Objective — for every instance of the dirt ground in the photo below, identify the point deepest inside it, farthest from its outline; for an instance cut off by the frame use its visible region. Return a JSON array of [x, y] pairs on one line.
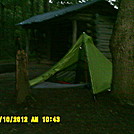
[[78, 112]]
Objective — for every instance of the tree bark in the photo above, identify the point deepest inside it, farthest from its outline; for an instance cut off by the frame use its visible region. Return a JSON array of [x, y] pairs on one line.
[[46, 5], [2, 7], [37, 7], [122, 48], [2, 27], [14, 21]]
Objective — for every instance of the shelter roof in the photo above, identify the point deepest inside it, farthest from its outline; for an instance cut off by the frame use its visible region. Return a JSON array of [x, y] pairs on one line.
[[58, 13]]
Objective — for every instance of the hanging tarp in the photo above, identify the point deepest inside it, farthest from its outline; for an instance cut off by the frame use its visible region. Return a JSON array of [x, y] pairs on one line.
[[85, 60]]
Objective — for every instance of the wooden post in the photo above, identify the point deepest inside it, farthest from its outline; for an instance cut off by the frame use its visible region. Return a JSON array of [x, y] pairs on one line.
[[27, 41], [22, 81], [74, 36]]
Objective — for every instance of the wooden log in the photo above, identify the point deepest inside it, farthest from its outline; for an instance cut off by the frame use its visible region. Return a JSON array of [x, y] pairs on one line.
[[103, 18], [103, 46], [104, 23], [103, 36], [108, 32], [22, 81], [102, 40], [85, 15], [98, 25], [82, 18], [105, 33], [104, 49], [103, 28]]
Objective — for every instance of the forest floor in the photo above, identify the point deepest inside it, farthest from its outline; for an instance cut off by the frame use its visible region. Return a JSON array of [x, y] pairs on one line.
[[78, 112]]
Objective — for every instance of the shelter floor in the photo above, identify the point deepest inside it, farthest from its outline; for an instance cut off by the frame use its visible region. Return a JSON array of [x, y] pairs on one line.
[[78, 111]]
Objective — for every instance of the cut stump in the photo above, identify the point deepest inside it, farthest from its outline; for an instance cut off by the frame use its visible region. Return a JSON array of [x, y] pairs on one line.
[[22, 81]]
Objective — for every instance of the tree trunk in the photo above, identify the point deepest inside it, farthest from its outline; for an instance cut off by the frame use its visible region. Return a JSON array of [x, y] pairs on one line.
[[37, 7], [74, 36], [32, 7], [24, 10], [46, 5], [2, 27], [14, 21], [2, 19], [122, 48]]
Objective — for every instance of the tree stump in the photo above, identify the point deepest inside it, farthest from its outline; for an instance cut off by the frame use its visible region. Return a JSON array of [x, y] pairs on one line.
[[22, 81]]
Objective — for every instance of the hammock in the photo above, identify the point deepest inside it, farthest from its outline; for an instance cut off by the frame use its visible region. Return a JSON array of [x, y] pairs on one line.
[[58, 85]]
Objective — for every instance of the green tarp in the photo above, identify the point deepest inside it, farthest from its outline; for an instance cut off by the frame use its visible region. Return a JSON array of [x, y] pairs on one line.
[[99, 67]]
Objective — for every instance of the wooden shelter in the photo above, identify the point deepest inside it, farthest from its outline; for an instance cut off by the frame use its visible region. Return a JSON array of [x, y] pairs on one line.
[[57, 31]]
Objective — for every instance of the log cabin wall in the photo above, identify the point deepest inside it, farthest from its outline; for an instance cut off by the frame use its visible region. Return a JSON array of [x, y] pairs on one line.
[[98, 26], [85, 23], [62, 32], [103, 31]]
